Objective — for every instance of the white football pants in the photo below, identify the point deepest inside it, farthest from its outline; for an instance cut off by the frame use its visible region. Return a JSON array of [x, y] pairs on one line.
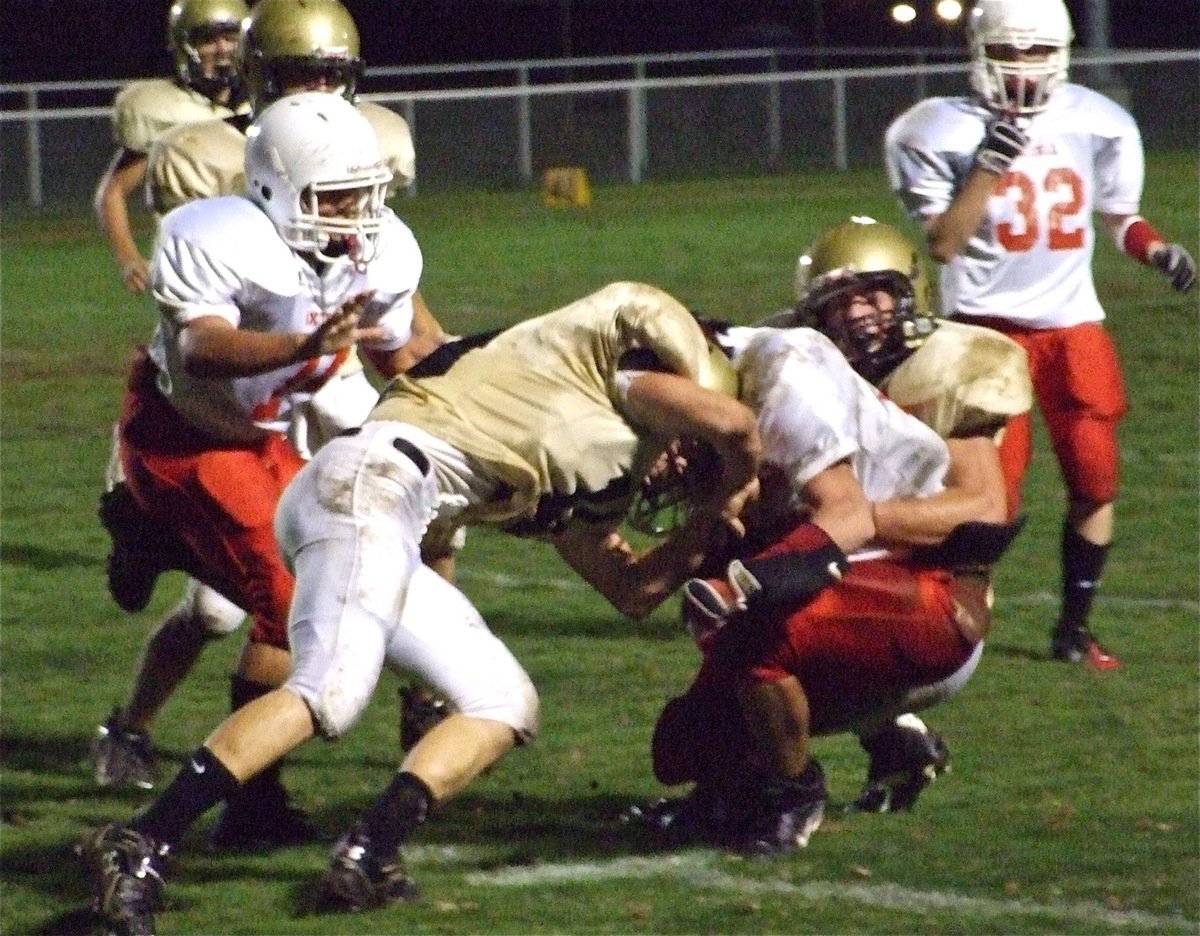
[[350, 525]]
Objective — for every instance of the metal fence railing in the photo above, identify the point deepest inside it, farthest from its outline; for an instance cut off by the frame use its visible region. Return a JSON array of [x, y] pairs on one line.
[[621, 118]]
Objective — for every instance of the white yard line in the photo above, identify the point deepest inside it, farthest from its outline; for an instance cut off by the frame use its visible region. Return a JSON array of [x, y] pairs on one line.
[[697, 869]]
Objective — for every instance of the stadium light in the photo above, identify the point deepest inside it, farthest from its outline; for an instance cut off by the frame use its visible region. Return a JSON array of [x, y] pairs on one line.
[[904, 13], [949, 11]]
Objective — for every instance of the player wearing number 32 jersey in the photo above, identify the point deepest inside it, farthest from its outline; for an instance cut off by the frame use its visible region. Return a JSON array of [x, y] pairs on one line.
[[1005, 183]]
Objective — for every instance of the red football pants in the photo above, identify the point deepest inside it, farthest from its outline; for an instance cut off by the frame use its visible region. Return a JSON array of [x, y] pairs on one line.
[[217, 496], [1080, 392], [855, 648]]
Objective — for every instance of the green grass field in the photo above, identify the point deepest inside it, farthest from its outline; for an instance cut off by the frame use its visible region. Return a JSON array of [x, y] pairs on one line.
[[1072, 806]]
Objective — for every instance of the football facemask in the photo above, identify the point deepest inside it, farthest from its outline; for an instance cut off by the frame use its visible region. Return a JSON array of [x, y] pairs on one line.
[[837, 284], [1020, 51], [871, 317]]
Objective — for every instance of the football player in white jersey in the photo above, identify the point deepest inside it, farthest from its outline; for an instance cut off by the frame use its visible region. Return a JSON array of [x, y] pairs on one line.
[[285, 47], [1005, 182], [863, 594], [202, 36], [261, 297], [545, 429], [864, 285]]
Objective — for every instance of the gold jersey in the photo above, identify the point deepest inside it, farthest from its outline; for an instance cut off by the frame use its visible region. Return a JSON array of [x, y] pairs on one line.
[[964, 380], [198, 160], [539, 408], [145, 109]]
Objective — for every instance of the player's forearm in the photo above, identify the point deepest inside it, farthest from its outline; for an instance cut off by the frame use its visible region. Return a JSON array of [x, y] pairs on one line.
[[974, 493], [633, 582], [948, 233], [227, 353], [114, 222]]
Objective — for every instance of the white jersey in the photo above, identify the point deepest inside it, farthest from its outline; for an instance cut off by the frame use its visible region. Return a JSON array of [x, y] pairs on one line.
[[814, 411], [223, 257], [1030, 261]]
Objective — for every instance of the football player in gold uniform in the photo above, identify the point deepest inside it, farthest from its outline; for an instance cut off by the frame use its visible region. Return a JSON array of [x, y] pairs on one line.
[[202, 36]]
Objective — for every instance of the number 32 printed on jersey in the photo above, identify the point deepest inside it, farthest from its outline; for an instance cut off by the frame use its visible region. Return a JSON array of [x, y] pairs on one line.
[[1062, 190]]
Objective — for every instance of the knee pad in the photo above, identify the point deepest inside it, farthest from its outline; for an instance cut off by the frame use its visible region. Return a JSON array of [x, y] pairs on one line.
[[211, 611]]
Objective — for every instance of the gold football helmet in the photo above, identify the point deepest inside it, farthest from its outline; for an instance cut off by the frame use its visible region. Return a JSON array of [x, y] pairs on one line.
[[191, 23], [856, 259], [299, 45]]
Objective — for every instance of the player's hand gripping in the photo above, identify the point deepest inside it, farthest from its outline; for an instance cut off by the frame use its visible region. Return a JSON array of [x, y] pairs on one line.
[[1177, 265], [340, 330], [1002, 142]]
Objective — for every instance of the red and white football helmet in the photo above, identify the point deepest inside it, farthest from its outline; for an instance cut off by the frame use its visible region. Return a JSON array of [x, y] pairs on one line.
[[1000, 32]]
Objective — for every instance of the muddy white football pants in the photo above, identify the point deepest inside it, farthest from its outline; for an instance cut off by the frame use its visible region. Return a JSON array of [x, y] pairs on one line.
[[350, 525]]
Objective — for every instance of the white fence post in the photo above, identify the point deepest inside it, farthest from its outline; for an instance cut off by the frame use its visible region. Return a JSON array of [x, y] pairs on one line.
[[774, 123], [33, 151], [638, 156], [839, 121], [524, 127]]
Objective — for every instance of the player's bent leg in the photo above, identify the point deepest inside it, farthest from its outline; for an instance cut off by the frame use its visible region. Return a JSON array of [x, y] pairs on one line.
[[441, 638]]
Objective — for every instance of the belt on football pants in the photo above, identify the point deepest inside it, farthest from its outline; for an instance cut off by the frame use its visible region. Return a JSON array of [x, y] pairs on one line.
[[403, 446]]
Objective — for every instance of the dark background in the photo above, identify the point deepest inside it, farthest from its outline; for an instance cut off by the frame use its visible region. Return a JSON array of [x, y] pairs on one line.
[[45, 40]]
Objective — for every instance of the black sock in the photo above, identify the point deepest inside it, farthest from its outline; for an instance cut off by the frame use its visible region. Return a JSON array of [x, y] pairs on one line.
[[1082, 563], [202, 782], [401, 809], [265, 785]]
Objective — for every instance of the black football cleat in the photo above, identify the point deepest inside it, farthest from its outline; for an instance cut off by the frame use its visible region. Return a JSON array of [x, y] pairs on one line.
[[125, 870], [359, 879], [259, 819], [120, 757], [1077, 645], [785, 815], [905, 758], [420, 710]]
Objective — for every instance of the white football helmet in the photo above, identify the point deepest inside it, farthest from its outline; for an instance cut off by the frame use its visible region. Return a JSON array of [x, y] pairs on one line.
[[307, 144], [1021, 87]]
